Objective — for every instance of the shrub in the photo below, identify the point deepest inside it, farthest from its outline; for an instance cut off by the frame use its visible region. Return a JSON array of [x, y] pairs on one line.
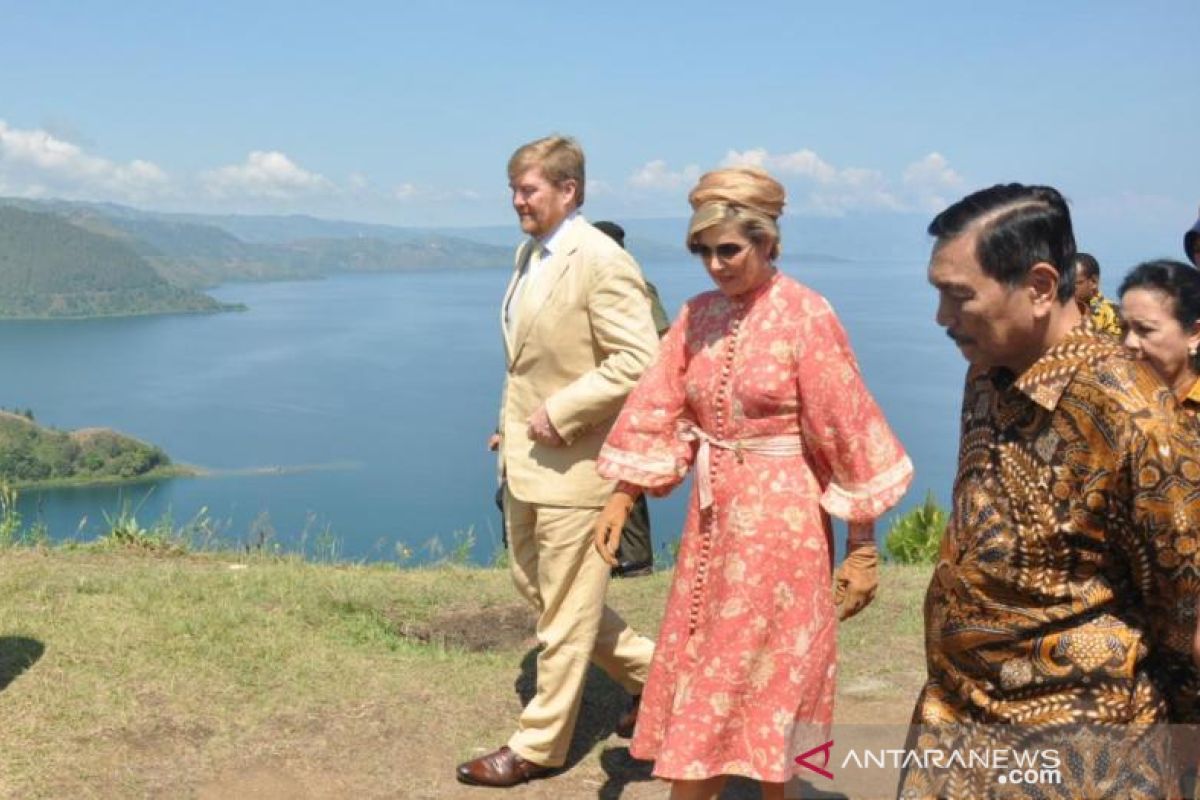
[[916, 537], [10, 518]]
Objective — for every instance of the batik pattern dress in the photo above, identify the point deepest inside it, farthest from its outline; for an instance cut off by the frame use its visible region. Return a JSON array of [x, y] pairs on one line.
[[1183, 678], [763, 395]]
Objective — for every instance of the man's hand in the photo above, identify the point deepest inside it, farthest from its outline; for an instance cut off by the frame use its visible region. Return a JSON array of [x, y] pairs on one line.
[[542, 430], [494, 442], [856, 580], [609, 524]]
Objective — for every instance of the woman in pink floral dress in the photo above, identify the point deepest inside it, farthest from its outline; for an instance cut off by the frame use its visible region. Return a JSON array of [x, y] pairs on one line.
[[756, 390]]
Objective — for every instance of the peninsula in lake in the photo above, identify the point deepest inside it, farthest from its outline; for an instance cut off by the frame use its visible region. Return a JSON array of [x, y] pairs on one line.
[[33, 454]]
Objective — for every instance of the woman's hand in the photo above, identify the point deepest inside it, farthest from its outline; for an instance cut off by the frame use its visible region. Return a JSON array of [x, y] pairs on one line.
[[609, 524], [856, 580]]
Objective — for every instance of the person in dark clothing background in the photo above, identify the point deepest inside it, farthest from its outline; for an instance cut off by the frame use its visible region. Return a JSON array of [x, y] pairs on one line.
[[1191, 243], [635, 555], [661, 320]]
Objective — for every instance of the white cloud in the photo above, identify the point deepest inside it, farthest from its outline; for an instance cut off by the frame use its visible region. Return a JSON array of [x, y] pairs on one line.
[[40, 163], [815, 186], [267, 174], [656, 176], [35, 163], [411, 193], [822, 187], [597, 188], [803, 163], [929, 180]]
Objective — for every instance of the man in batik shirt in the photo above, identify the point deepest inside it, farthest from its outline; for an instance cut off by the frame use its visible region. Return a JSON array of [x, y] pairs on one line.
[[1064, 590]]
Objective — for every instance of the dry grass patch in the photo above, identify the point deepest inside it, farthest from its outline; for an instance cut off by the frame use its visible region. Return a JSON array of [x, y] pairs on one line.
[[201, 676]]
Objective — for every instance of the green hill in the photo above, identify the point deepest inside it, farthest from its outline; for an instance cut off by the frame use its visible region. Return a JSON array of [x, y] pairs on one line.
[[32, 453], [190, 254], [52, 268], [197, 251]]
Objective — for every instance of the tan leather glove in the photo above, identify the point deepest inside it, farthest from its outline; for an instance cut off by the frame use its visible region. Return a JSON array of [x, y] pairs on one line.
[[609, 524], [856, 580]]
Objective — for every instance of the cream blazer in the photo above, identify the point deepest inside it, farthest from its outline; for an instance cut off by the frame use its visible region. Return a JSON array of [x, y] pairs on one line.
[[584, 335]]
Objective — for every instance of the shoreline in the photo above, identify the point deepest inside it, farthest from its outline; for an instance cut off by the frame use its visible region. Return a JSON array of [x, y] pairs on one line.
[[157, 474], [181, 470], [221, 309]]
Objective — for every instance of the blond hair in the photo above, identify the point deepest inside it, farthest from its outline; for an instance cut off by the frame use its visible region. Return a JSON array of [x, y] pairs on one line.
[[743, 196], [560, 158]]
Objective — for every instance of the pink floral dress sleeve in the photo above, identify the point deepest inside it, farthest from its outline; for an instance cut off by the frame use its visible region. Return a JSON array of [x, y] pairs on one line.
[[642, 448], [861, 465]]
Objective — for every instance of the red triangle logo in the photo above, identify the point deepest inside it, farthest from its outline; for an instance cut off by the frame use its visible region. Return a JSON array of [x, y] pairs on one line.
[[803, 761]]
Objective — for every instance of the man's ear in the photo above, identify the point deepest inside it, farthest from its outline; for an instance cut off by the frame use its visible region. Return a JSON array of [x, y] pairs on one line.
[[1042, 285], [573, 186]]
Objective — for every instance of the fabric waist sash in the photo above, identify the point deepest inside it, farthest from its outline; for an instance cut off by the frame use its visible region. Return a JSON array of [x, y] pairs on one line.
[[789, 444]]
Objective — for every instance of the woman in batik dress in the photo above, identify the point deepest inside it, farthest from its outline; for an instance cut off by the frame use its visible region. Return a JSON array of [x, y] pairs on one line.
[[757, 390], [1160, 309]]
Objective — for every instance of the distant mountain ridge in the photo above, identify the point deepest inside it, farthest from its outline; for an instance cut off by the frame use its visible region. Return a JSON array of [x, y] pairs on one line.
[[52, 268], [196, 251]]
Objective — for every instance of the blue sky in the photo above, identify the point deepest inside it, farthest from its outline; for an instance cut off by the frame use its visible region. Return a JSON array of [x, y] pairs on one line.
[[406, 112]]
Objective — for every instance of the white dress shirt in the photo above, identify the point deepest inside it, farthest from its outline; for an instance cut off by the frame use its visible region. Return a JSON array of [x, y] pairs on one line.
[[541, 251]]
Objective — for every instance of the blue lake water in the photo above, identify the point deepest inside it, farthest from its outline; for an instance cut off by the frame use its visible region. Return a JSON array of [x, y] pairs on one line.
[[355, 410]]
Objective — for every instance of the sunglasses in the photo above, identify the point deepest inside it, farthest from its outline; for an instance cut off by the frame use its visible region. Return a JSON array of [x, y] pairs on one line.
[[725, 252]]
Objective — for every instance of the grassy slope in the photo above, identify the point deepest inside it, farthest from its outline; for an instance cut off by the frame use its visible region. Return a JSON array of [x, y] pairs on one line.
[[140, 676]]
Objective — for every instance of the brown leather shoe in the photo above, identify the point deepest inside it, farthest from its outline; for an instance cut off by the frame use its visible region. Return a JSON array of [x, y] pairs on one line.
[[502, 768], [628, 720]]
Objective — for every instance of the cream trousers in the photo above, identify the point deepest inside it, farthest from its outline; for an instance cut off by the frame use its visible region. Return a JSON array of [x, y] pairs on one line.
[[557, 569]]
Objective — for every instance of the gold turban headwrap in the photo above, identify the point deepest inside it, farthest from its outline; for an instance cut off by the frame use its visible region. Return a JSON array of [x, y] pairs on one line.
[[737, 194]]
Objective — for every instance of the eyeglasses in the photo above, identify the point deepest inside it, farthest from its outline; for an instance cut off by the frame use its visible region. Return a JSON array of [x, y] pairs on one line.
[[727, 251]]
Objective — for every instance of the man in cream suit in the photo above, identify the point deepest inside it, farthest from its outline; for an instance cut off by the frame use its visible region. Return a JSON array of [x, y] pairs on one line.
[[577, 334]]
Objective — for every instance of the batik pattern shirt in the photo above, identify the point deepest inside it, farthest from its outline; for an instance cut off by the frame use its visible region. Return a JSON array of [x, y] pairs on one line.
[[1065, 585]]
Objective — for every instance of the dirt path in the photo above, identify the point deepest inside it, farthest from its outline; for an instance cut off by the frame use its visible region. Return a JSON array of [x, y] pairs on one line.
[[385, 750], [369, 756]]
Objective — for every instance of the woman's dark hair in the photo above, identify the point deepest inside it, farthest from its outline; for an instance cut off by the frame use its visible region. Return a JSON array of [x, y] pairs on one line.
[[1175, 279], [1019, 226]]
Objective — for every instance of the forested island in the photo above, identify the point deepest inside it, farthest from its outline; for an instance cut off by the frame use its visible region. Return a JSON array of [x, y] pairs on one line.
[[33, 454]]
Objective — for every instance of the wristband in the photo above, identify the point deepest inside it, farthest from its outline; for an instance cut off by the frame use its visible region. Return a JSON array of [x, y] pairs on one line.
[[632, 489]]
